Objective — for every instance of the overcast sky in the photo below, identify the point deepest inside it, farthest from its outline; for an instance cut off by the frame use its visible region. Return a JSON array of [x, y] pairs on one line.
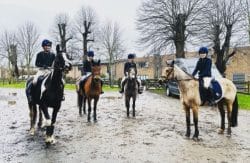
[[42, 12]]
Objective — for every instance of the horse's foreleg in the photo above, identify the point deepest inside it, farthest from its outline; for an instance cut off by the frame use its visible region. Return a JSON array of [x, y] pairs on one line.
[[127, 105], [33, 115], [222, 115], [89, 108], [50, 129], [46, 115], [95, 105], [187, 111], [229, 113], [195, 117], [134, 98]]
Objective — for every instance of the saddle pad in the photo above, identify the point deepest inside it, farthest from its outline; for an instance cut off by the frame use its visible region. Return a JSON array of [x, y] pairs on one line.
[[217, 90]]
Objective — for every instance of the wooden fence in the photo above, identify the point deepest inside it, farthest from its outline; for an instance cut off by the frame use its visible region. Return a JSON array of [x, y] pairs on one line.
[[242, 86]]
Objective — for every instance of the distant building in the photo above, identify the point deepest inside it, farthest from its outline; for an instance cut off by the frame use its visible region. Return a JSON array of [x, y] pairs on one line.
[[151, 67]]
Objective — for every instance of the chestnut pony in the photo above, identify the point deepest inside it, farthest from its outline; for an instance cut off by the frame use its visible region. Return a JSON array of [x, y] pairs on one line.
[[91, 91]]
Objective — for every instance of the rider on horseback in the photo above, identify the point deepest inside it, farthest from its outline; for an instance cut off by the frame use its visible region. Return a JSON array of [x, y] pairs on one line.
[[87, 70], [204, 66], [127, 66], [44, 60]]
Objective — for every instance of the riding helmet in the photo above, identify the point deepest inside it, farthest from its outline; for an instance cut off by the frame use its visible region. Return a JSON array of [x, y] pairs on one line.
[[46, 43], [91, 54], [131, 56], [203, 50]]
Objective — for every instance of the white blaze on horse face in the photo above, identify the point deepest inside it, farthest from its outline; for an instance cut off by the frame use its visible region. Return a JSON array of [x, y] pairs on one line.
[[132, 73], [67, 61]]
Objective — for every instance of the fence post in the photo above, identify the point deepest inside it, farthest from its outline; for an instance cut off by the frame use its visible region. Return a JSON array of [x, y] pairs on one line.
[[248, 87]]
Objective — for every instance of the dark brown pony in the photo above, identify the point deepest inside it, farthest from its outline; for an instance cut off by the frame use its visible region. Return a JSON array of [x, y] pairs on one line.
[[131, 89], [92, 91]]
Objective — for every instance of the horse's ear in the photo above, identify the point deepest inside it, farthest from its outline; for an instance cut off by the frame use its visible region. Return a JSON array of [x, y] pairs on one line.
[[170, 63], [99, 62]]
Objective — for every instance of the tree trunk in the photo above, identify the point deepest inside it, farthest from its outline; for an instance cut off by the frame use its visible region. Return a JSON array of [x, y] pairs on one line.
[[180, 36]]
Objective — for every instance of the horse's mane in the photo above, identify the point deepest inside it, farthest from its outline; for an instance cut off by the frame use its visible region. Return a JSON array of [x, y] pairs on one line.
[[186, 75]]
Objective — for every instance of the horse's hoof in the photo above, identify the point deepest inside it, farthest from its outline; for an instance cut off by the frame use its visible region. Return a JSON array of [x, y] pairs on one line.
[[221, 131], [32, 131], [187, 135], [195, 138], [95, 120], [50, 140]]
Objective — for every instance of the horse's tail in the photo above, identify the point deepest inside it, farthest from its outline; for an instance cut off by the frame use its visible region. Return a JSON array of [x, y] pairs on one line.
[[234, 116]]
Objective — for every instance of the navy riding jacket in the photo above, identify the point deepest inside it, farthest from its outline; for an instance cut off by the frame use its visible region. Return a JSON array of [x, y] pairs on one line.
[[204, 66], [45, 59], [129, 65], [87, 67]]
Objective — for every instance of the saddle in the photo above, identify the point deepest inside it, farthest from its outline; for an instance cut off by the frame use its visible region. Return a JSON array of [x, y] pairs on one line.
[[216, 90]]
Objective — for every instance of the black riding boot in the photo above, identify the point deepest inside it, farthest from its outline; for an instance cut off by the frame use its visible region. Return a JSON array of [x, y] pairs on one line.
[[211, 96], [28, 92], [202, 92], [81, 88]]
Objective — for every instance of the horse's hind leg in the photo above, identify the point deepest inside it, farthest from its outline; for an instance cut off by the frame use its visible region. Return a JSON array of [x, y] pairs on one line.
[[222, 115], [134, 106], [195, 117], [89, 109], [79, 102], [127, 105], [84, 105], [33, 115], [187, 111], [229, 113], [95, 104], [40, 122]]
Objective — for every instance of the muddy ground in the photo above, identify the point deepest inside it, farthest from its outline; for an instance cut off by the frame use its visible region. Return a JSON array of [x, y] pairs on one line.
[[155, 135]]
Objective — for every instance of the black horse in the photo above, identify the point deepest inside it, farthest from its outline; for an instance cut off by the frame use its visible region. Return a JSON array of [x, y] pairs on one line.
[[48, 92], [131, 89]]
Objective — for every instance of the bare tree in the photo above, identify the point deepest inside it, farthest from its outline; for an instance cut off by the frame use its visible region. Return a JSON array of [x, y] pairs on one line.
[[222, 20], [86, 23], [166, 23], [247, 13], [112, 43], [8, 47], [28, 42], [62, 30]]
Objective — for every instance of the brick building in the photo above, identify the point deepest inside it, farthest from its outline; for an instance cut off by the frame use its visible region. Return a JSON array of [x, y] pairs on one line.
[[151, 67]]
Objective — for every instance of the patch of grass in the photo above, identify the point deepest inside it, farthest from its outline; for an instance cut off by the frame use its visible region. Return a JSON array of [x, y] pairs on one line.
[[158, 91], [12, 85], [244, 101], [67, 86], [105, 87]]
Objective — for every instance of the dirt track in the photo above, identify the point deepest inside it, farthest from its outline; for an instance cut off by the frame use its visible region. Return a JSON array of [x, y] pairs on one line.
[[155, 135]]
